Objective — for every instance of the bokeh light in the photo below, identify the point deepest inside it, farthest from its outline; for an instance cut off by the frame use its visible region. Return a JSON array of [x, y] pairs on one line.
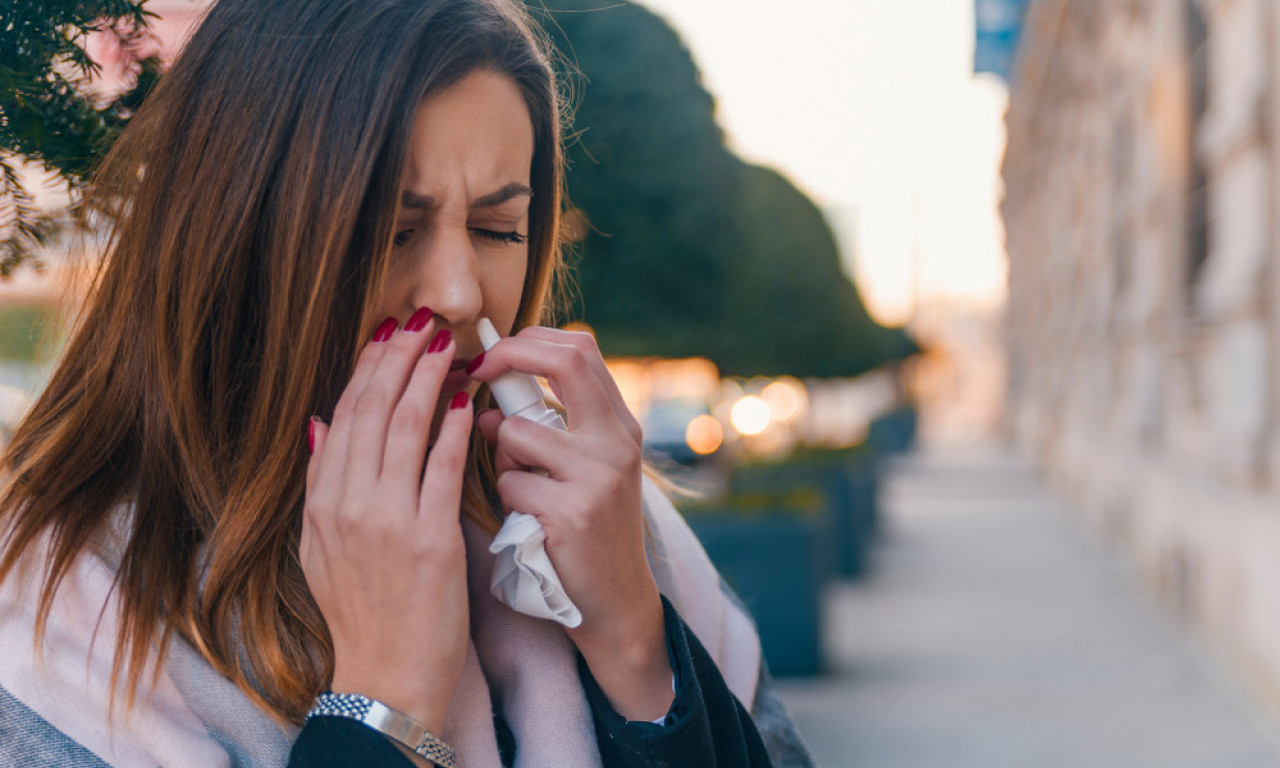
[[784, 399], [704, 434], [750, 415]]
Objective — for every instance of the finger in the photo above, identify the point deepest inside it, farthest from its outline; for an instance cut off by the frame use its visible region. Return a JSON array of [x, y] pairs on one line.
[[586, 343], [317, 433], [612, 449], [531, 494], [442, 480], [565, 367], [382, 394], [503, 462], [409, 430], [487, 422], [529, 444], [332, 463]]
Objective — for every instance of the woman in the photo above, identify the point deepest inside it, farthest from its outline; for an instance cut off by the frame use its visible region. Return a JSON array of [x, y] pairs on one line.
[[313, 211]]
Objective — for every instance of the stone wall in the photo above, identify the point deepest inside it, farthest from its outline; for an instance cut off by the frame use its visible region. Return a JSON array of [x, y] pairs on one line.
[[1143, 326]]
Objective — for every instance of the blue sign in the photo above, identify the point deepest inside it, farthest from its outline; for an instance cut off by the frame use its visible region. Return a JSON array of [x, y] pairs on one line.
[[997, 27]]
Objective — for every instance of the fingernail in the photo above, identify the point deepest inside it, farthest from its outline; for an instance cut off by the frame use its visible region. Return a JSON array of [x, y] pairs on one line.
[[418, 320], [459, 401], [440, 341], [474, 364], [385, 329], [311, 434]]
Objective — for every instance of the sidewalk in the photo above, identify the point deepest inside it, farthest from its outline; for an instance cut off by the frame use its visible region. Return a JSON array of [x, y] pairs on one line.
[[996, 632]]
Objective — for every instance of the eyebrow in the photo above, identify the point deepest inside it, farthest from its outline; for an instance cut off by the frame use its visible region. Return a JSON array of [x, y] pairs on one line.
[[514, 189]]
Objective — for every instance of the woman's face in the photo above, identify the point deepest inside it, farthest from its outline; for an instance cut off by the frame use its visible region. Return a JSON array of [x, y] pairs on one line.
[[463, 219]]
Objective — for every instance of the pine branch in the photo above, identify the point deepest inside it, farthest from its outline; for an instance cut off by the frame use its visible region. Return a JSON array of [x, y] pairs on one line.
[[23, 224], [47, 113]]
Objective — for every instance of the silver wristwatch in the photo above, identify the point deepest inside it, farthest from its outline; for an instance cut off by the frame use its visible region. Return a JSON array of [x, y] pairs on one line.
[[391, 722]]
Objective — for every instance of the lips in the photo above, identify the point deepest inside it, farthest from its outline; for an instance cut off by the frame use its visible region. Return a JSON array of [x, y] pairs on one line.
[[457, 379]]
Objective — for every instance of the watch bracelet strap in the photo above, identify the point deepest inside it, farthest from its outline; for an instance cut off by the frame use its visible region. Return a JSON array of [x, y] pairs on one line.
[[391, 722]]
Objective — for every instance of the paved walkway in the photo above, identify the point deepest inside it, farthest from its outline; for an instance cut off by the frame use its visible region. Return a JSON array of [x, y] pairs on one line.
[[995, 632]]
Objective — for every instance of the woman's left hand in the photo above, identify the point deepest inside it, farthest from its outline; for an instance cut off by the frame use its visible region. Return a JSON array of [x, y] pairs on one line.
[[589, 505]]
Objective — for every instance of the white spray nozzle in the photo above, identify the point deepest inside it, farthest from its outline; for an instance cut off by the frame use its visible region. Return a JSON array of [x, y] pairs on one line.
[[488, 334], [515, 392]]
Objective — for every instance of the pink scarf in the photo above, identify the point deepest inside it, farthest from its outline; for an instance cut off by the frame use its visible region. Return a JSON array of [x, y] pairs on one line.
[[194, 717]]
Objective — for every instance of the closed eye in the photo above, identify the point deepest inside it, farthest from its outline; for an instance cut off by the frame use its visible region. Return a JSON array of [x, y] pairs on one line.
[[404, 237], [499, 236]]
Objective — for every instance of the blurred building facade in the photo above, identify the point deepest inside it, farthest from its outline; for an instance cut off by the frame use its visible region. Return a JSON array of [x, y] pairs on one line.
[[1143, 325]]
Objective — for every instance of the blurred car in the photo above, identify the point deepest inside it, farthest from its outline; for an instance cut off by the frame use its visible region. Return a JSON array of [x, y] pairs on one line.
[[666, 431]]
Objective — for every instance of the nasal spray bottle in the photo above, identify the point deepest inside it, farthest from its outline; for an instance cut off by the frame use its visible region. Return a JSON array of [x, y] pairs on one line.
[[523, 577]]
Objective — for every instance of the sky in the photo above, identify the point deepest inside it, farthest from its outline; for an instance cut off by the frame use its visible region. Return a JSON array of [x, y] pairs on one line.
[[871, 107]]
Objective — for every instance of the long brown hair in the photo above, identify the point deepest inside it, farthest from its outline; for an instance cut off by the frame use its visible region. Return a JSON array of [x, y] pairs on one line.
[[253, 198]]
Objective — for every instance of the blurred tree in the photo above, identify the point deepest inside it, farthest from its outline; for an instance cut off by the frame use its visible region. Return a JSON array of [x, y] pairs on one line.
[[686, 251], [792, 308], [48, 112], [689, 250], [651, 173]]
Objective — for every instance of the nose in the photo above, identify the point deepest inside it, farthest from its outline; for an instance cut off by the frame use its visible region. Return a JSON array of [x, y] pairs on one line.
[[448, 279]]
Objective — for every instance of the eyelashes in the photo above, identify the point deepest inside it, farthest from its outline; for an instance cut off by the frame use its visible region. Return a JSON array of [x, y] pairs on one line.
[[405, 237], [498, 236]]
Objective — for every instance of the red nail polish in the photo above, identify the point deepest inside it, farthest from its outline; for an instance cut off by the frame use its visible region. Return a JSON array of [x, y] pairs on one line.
[[459, 401], [418, 320], [440, 341], [311, 434], [385, 329], [474, 364]]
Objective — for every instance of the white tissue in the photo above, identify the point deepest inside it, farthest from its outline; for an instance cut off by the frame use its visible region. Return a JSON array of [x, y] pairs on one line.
[[523, 577]]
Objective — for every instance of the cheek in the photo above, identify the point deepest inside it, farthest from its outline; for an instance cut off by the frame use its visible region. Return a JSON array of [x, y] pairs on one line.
[[397, 286], [503, 288]]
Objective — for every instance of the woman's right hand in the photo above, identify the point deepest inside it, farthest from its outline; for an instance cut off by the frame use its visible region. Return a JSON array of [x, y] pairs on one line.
[[382, 546]]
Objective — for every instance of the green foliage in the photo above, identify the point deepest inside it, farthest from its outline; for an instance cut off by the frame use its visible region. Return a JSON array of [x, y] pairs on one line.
[[792, 296], [693, 252], [650, 170], [690, 251], [797, 484], [807, 459], [799, 501], [803, 469], [25, 330], [45, 114]]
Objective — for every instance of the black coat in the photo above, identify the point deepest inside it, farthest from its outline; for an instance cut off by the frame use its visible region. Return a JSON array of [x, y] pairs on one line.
[[706, 727]]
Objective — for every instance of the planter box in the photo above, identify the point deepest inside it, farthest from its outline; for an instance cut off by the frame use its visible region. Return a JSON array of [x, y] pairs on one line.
[[847, 482], [852, 493], [777, 564], [894, 432]]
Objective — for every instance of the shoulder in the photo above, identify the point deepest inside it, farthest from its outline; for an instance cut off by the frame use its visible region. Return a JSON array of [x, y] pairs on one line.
[[66, 682]]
